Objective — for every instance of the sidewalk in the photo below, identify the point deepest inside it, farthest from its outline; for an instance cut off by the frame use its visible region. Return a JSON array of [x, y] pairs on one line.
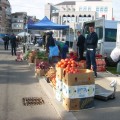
[[17, 81], [103, 110]]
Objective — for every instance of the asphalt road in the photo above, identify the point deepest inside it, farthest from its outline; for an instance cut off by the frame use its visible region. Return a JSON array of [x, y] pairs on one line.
[[16, 82]]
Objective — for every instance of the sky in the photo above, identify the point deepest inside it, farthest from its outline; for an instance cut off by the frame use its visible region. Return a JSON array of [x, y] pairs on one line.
[[36, 7]]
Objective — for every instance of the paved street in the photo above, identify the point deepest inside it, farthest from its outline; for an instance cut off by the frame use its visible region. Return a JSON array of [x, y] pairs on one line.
[[18, 81]]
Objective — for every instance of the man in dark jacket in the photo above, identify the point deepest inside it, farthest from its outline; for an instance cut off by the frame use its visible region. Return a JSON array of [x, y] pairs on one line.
[[13, 42], [50, 41], [91, 45], [6, 42], [80, 45]]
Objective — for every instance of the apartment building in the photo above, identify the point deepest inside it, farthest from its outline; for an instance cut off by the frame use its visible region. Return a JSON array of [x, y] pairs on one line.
[[5, 17], [18, 21]]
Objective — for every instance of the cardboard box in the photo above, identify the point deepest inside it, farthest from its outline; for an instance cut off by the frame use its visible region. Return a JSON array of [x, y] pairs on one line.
[[81, 91], [101, 68], [59, 73], [85, 77], [59, 95], [59, 84], [31, 59], [82, 64], [78, 104]]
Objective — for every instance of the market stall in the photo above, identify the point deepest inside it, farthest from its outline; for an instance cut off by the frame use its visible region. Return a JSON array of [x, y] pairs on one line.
[[74, 85]]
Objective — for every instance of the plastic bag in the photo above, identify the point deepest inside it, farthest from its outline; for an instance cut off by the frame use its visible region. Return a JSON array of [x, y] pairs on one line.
[[115, 54], [53, 51]]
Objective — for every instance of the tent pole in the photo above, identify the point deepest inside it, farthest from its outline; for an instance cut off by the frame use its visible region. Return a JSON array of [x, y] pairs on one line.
[[69, 37], [61, 35]]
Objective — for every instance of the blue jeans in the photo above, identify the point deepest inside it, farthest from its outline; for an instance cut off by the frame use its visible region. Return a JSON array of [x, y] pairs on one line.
[[90, 60]]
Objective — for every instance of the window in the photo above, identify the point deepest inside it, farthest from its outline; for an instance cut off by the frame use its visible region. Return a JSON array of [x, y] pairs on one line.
[[53, 11], [80, 9], [97, 9], [101, 9], [99, 31], [89, 15], [85, 8], [73, 18], [89, 8], [16, 16], [106, 9], [80, 19], [110, 35]]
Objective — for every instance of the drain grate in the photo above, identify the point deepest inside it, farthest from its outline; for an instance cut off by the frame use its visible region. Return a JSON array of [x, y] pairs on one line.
[[28, 101]]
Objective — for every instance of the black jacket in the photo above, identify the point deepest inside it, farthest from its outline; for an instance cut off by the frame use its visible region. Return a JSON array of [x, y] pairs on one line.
[[6, 39], [92, 40], [81, 42], [13, 40], [50, 41]]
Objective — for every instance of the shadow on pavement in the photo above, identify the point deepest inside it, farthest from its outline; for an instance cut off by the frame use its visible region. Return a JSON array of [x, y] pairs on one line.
[[14, 72]]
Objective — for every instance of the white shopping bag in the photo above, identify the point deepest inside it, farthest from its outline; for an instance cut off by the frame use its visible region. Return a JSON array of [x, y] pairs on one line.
[[115, 54]]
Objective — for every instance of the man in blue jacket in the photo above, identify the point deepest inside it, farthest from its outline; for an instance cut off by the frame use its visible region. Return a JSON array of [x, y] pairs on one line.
[[91, 45]]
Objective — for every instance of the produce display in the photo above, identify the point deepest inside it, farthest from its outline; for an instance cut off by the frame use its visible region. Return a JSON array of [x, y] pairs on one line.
[[42, 65], [67, 63], [51, 75], [71, 70], [42, 56], [27, 55]]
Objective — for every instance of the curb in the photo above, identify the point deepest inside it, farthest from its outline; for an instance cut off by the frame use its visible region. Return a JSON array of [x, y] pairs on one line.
[[64, 115]]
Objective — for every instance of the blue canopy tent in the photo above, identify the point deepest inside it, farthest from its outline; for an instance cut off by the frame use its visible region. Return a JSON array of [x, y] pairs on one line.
[[46, 24]]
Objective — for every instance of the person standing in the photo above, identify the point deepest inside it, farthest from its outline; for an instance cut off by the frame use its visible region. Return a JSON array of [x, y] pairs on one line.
[[6, 42], [91, 45], [80, 45], [50, 41], [13, 42], [44, 40]]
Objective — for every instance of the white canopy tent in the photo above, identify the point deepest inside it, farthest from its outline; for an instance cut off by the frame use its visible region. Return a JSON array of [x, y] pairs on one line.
[[22, 34]]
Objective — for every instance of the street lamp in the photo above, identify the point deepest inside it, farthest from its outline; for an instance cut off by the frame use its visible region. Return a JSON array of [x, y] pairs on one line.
[[24, 44], [25, 20]]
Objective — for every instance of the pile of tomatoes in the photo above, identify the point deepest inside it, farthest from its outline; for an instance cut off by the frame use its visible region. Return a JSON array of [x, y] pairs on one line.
[[69, 65]]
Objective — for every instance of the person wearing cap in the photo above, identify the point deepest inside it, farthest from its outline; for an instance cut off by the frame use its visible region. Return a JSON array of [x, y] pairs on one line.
[[6, 42], [91, 45]]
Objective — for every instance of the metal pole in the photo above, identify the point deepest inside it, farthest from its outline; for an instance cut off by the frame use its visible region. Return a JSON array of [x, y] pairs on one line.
[[69, 37]]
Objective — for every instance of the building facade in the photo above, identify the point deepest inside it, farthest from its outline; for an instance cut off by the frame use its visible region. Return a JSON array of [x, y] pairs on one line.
[[74, 13], [102, 7], [18, 20], [5, 17]]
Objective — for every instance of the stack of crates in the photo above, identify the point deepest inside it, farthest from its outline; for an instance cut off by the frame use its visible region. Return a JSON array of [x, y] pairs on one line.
[[101, 65], [76, 91]]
